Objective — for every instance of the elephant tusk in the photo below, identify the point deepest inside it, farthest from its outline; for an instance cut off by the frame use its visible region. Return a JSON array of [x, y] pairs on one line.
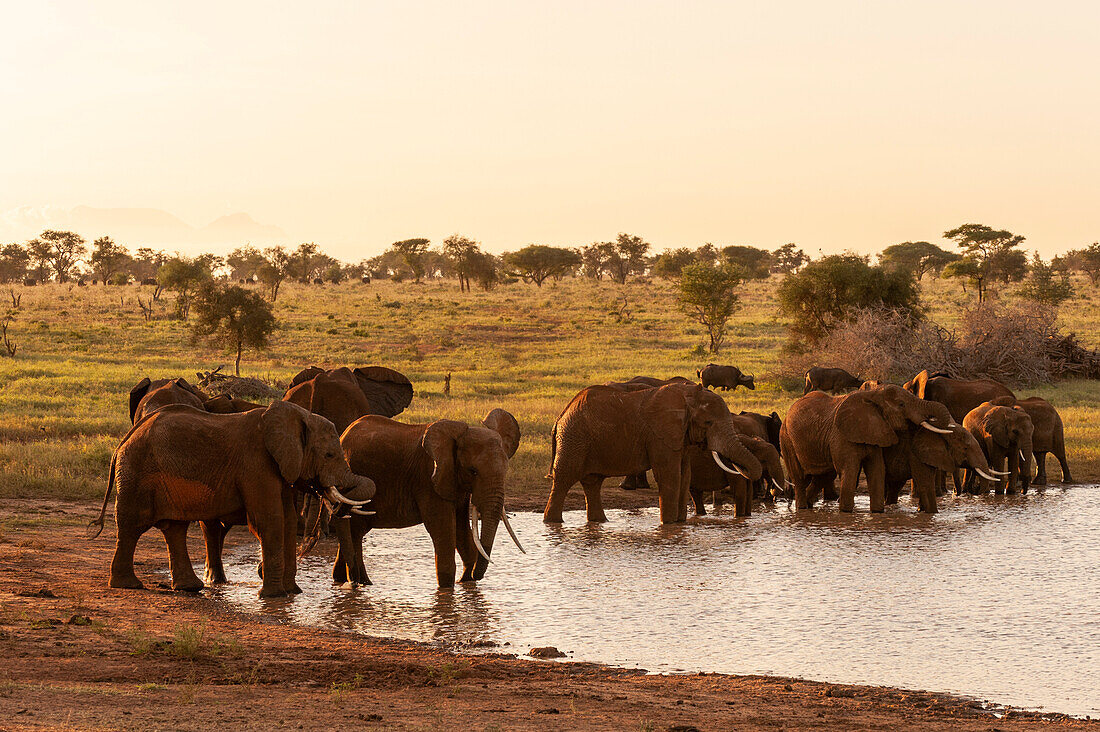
[[473, 532], [338, 497], [360, 512], [736, 470], [1000, 472], [932, 428], [986, 475], [776, 484], [504, 516]]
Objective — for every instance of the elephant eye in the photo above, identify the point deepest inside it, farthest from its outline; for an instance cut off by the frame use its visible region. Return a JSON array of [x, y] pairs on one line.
[[330, 455], [473, 471]]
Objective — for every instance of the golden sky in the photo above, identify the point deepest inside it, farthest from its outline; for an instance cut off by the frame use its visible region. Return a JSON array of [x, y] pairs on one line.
[[837, 125]]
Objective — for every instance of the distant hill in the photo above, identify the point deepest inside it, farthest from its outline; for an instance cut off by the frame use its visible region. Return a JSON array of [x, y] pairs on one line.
[[138, 227]]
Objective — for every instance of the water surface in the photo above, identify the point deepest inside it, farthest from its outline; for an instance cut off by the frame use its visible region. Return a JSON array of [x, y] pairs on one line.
[[995, 597]]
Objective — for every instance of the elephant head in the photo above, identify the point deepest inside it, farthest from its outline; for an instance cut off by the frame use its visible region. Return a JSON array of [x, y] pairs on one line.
[[470, 463], [874, 416], [165, 392], [307, 451], [768, 456], [710, 424]]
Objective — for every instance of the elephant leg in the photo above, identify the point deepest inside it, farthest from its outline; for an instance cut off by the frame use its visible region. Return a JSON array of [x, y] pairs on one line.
[[893, 490], [214, 532], [1066, 477], [685, 490], [828, 491], [559, 490], [360, 567], [270, 532], [593, 501], [122, 565], [742, 496], [465, 541], [699, 501], [1041, 468], [849, 478], [290, 543], [440, 524], [667, 471], [875, 470], [183, 574], [634, 482], [821, 485]]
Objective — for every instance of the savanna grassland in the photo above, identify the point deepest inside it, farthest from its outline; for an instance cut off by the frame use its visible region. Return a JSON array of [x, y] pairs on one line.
[[527, 349]]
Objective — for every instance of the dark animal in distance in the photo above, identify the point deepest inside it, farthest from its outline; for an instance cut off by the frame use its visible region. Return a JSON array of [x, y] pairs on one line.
[[830, 380], [724, 377]]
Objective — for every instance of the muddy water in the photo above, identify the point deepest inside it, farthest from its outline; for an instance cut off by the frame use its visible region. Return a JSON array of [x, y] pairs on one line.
[[997, 597]]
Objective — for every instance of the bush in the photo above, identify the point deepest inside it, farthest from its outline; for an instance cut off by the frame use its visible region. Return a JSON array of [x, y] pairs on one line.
[[1017, 347]]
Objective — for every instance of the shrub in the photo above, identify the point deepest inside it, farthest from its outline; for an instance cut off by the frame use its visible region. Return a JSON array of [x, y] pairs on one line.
[[708, 295]]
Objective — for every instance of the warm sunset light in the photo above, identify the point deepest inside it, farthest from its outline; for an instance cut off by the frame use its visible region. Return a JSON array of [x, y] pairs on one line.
[[844, 125]]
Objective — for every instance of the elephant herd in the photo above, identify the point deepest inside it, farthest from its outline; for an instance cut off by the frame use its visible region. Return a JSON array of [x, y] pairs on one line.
[[330, 443], [329, 451], [920, 432]]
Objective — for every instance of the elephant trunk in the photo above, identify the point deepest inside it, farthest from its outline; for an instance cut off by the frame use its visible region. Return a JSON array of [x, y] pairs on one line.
[[723, 440], [1026, 455], [489, 512]]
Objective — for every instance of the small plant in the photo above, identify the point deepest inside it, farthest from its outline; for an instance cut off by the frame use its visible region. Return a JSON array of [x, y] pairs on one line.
[[141, 642], [187, 640]]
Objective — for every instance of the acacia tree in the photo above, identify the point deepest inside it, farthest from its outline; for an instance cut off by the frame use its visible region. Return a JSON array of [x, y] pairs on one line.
[[708, 295], [787, 259], [234, 318], [627, 257], [1085, 260], [754, 263], [1045, 286], [991, 254], [413, 251], [184, 276], [244, 263], [13, 263], [671, 263], [108, 258], [58, 251], [595, 259], [463, 253], [918, 257], [274, 270], [536, 262]]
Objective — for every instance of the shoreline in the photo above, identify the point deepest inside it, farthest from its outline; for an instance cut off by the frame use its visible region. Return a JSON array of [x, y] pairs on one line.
[[79, 654]]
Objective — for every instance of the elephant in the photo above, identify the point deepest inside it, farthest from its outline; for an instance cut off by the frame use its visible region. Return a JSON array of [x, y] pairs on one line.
[[825, 437], [707, 477], [634, 482], [1004, 433], [181, 464], [830, 380], [921, 455], [147, 396], [1049, 434], [606, 431], [959, 395], [343, 395], [223, 404], [766, 427], [724, 377], [444, 475]]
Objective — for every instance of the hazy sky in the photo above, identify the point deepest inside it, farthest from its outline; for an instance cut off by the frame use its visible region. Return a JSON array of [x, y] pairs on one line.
[[837, 125]]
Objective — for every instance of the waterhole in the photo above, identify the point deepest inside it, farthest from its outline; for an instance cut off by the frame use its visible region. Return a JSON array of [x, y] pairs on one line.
[[996, 598]]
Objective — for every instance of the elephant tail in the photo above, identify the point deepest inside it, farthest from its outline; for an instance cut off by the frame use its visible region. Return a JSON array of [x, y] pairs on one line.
[[98, 523]]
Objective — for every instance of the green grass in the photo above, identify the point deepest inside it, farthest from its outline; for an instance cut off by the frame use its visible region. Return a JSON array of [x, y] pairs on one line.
[[63, 399]]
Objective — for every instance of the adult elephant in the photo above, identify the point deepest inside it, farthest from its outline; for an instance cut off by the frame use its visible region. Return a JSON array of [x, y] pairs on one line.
[[606, 431], [958, 395], [707, 477], [181, 464], [223, 404], [832, 380], [764, 426], [446, 475], [638, 480], [343, 395], [1049, 434], [825, 437], [147, 396], [1005, 433], [920, 455], [724, 377]]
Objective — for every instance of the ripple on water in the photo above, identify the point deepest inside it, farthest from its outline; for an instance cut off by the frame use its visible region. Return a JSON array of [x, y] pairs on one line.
[[994, 597]]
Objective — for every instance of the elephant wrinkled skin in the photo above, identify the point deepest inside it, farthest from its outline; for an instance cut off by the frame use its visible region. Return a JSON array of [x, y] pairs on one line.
[[343, 395], [958, 395], [606, 431], [443, 475], [1048, 436], [181, 464], [1005, 434]]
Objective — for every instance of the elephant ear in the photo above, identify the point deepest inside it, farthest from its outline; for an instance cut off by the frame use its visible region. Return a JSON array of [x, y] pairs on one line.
[[932, 450], [505, 425], [186, 386], [388, 391], [137, 394], [860, 419], [440, 441], [284, 430], [917, 384], [305, 375]]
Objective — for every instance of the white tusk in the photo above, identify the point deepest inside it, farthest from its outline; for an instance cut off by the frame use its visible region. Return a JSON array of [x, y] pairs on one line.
[[1000, 472], [338, 497], [473, 532], [504, 516], [932, 428], [986, 475], [1022, 457], [359, 512], [736, 470], [776, 485]]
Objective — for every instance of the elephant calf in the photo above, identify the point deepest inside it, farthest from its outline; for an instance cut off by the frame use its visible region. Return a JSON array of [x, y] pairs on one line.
[[181, 464], [1005, 433], [1049, 435]]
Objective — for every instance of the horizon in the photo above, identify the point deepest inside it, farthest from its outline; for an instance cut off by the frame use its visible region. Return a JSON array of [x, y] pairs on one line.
[[840, 128]]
